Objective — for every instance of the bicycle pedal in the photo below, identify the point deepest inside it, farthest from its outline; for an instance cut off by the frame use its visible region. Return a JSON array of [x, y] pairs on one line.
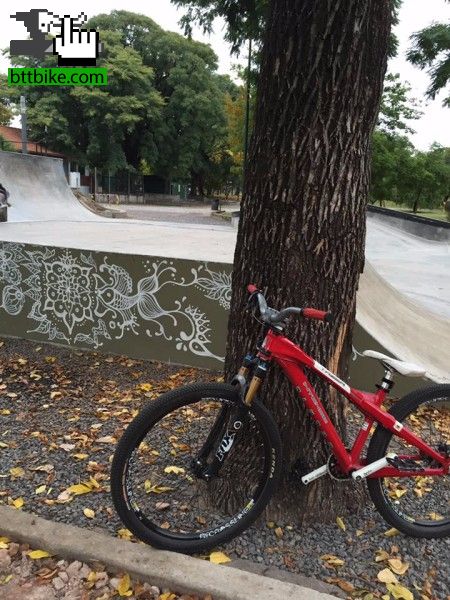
[[299, 470]]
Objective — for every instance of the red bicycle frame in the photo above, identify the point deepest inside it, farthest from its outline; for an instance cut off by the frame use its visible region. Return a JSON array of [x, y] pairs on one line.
[[291, 359]]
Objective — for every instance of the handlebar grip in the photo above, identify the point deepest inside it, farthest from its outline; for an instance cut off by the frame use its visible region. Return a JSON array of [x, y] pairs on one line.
[[321, 315], [251, 288]]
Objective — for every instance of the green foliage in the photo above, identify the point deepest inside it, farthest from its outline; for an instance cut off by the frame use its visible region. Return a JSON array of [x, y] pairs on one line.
[[406, 176], [392, 165], [6, 113], [192, 118], [108, 127], [6, 146], [431, 50], [396, 106], [163, 110], [393, 42], [399, 172], [244, 19]]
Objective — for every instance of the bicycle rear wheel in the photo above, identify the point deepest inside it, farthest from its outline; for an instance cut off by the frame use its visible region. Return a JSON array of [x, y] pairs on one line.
[[173, 496], [418, 506]]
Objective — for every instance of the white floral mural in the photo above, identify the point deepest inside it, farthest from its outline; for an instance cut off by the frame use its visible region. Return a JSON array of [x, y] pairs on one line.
[[88, 299]]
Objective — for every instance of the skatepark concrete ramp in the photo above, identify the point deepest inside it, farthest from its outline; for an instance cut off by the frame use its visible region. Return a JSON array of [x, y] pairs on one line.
[[39, 191], [406, 329], [162, 290]]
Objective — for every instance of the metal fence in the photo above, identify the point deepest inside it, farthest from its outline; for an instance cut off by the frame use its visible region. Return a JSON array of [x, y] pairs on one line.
[[9, 145]]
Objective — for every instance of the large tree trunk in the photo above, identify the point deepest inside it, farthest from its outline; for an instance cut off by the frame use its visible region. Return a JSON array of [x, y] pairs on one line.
[[302, 230]]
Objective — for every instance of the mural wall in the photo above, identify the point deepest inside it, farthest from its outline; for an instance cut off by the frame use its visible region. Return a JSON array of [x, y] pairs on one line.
[[171, 310]]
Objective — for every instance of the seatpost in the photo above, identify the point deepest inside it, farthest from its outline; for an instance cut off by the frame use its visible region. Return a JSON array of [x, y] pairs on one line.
[[387, 383]]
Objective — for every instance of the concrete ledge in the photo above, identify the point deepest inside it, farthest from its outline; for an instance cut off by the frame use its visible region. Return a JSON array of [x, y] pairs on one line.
[[430, 229], [178, 572]]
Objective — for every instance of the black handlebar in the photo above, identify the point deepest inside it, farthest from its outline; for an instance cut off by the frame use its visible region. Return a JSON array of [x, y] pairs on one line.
[[271, 316]]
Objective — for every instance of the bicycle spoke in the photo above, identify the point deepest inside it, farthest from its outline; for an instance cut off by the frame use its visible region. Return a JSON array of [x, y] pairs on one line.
[[169, 492], [422, 499]]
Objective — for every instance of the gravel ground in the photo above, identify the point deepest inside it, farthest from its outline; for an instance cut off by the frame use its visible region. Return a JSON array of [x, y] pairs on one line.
[[57, 405], [27, 574]]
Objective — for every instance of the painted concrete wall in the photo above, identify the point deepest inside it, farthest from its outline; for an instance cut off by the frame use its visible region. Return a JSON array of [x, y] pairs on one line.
[[170, 310]]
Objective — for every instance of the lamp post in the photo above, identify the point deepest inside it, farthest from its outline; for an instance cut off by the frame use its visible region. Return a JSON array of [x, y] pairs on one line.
[[23, 118]]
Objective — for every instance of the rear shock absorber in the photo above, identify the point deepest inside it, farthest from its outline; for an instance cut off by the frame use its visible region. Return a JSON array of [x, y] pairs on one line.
[[256, 381]]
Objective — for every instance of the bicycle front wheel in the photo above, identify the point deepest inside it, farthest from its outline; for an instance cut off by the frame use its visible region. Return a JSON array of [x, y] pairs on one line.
[[418, 506], [195, 468]]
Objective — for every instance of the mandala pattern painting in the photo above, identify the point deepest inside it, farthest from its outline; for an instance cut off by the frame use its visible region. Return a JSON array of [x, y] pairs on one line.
[[169, 309]]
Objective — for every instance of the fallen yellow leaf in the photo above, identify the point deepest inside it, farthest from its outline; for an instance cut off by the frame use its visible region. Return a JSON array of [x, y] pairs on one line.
[[145, 387], [400, 592], [218, 558], [175, 470], [381, 555], [89, 513], [387, 576], [107, 439], [391, 532], [17, 472], [41, 489], [124, 534], [79, 489], [333, 560], [44, 468], [18, 503], [124, 586], [398, 566], [278, 532], [38, 554], [340, 523]]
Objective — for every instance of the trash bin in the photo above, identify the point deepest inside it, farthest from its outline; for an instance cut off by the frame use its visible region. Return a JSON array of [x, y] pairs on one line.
[[3, 213], [215, 204]]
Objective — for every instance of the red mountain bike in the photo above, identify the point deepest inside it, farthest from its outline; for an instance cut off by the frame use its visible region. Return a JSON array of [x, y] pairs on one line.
[[215, 440]]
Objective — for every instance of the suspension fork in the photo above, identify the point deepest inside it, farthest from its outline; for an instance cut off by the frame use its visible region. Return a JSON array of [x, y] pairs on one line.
[[230, 421]]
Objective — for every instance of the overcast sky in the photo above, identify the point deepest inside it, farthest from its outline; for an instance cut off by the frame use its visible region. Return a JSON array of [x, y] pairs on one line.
[[415, 14]]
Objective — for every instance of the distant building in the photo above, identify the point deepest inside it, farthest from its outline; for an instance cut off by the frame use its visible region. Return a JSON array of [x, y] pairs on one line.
[[11, 137]]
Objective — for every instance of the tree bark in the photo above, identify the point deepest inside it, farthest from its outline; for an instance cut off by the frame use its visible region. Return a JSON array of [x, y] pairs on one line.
[[302, 228]]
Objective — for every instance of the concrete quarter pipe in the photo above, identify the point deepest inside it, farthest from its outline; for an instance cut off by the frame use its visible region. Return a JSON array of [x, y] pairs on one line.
[[38, 190], [40, 194]]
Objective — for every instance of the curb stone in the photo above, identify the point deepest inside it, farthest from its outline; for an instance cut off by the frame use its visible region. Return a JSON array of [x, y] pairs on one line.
[[165, 569], [286, 576]]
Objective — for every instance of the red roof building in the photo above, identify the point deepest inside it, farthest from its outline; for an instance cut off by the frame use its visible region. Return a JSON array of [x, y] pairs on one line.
[[13, 135]]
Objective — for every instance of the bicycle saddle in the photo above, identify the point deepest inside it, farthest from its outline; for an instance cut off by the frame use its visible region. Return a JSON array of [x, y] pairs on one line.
[[404, 368]]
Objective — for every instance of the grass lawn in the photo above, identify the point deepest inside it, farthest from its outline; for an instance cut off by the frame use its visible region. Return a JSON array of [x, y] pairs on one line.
[[431, 213]]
